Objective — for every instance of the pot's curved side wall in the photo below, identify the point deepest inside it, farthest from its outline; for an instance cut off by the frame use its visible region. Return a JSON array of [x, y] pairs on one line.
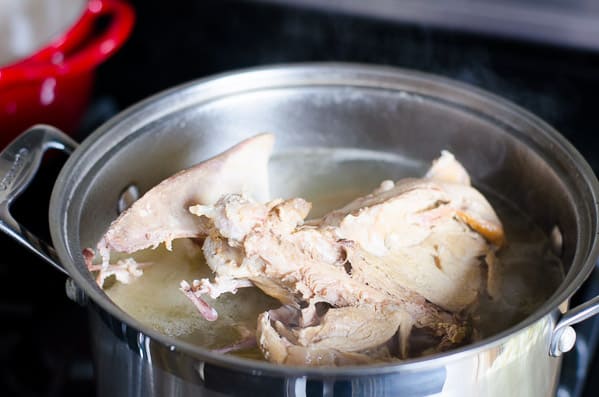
[[519, 367], [125, 366], [121, 371]]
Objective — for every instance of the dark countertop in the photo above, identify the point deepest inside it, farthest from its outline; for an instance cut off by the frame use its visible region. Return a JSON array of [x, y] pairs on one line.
[[573, 23]]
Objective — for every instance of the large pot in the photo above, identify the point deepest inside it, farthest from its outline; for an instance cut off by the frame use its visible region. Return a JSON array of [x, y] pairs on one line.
[[374, 108], [49, 52]]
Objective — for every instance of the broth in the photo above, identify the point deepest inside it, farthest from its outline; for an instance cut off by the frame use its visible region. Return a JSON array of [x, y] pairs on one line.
[[329, 178]]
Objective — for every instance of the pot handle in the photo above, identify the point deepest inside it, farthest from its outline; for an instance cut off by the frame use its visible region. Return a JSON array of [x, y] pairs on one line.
[[564, 336], [19, 163]]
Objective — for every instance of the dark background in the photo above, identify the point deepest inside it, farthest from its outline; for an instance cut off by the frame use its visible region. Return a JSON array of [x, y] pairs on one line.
[[43, 344]]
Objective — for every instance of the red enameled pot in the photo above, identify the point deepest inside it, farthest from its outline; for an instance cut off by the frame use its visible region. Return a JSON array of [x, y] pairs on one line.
[[53, 84]]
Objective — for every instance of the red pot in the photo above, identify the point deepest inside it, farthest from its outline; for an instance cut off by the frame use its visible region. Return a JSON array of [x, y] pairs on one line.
[[53, 84]]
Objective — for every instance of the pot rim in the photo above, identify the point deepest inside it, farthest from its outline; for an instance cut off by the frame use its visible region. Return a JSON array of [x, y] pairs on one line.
[[313, 75]]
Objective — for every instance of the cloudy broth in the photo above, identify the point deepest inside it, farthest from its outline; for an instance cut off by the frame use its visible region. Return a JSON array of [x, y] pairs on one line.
[[329, 178]]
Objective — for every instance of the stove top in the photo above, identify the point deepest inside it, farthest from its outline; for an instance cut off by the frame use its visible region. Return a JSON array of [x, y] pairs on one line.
[[44, 346]]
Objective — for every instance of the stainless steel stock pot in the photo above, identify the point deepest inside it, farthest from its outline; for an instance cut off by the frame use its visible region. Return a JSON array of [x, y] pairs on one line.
[[315, 105]]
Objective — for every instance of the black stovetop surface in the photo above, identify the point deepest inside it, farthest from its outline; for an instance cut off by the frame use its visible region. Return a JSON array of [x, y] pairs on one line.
[[44, 346]]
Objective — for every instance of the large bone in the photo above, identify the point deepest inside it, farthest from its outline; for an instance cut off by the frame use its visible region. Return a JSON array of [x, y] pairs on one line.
[[162, 215]]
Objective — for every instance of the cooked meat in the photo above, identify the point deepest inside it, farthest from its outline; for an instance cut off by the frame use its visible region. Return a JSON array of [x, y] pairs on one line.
[[346, 335], [354, 284], [447, 169], [304, 265], [160, 215], [425, 235]]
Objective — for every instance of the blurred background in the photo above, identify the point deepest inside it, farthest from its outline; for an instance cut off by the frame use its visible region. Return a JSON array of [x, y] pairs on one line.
[[542, 55]]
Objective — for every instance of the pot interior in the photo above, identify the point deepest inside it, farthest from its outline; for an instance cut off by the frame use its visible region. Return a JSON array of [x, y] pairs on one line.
[[393, 114]]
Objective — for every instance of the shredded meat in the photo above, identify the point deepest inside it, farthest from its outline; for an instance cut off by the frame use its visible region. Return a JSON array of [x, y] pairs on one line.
[[354, 284]]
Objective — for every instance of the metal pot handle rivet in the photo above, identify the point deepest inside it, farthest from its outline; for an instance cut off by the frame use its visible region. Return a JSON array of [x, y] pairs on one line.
[[129, 195], [566, 339], [19, 163]]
